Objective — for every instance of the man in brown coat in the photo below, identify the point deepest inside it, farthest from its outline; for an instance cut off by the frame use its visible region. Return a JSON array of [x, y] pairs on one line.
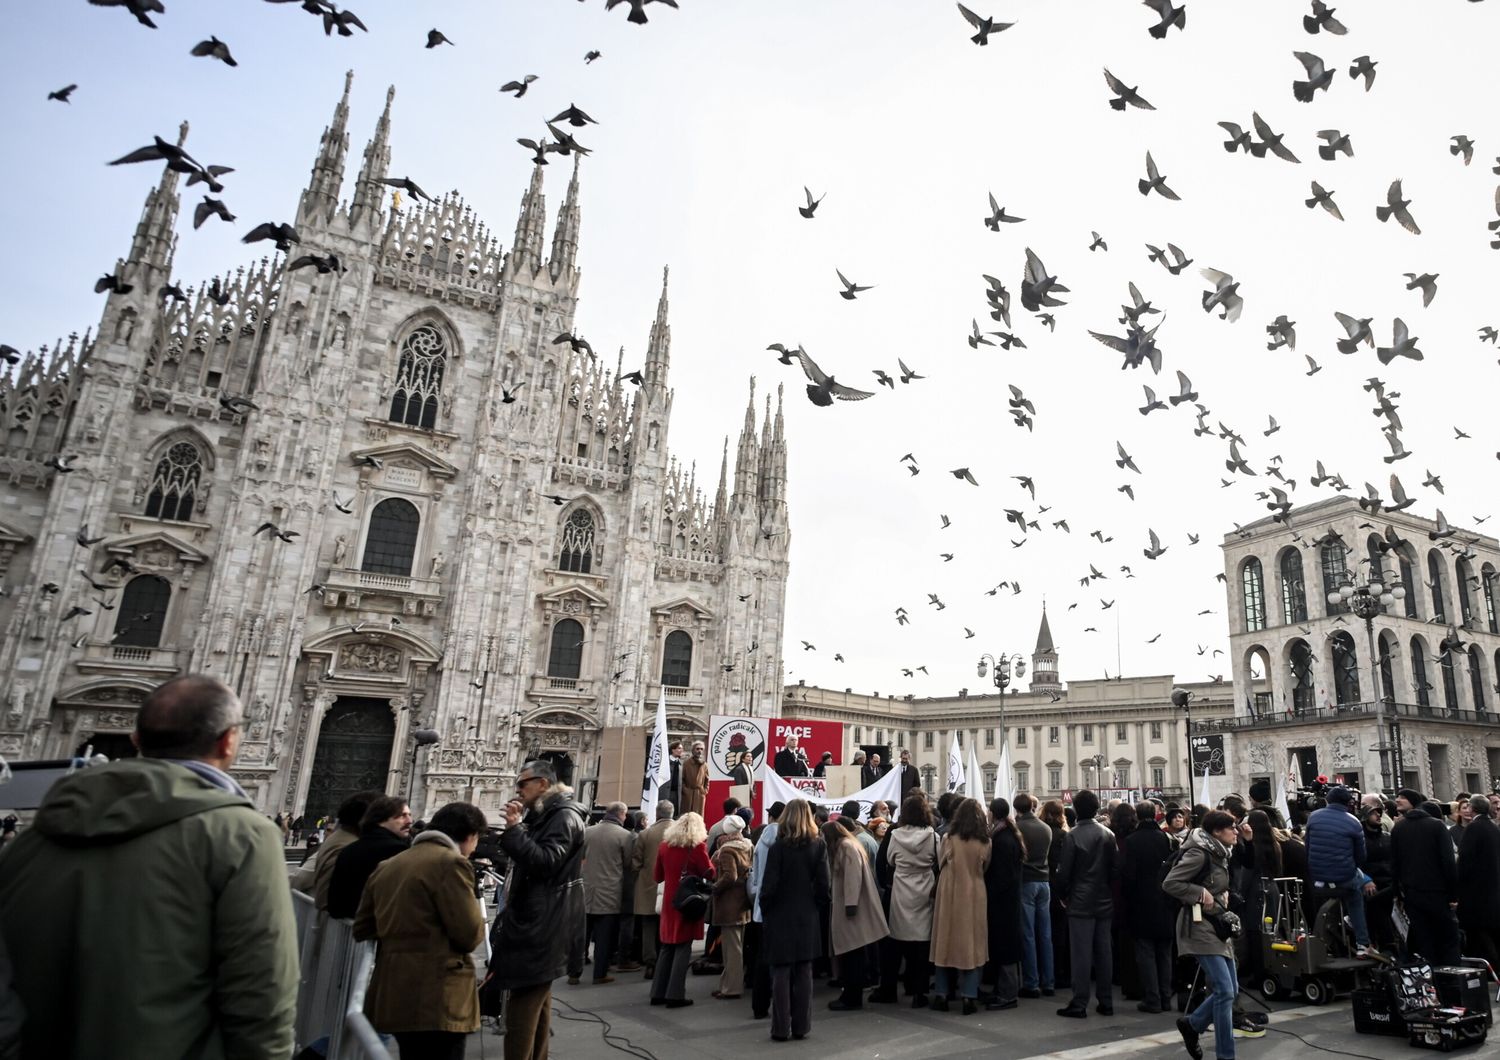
[[420, 904], [643, 864], [694, 781]]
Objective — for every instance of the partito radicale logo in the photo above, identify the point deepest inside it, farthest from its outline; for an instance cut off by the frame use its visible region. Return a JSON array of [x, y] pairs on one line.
[[735, 739]]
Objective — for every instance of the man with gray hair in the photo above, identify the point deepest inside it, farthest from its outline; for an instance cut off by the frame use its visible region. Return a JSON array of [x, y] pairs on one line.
[[147, 913], [606, 859], [643, 863], [543, 904]]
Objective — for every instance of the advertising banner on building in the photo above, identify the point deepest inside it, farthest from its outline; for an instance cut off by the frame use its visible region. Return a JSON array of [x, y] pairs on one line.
[[1208, 755]]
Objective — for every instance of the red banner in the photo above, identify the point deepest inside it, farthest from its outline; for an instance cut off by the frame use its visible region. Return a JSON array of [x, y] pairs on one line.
[[814, 737]]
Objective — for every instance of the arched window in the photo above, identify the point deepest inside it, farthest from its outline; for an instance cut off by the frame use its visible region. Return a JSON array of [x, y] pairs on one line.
[[175, 483], [565, 659], [677, 660], [1331, 558], [142, 612], [391, 544], [1345, 669], [1252, 583], [1476, 677], [1435, 584], [577, 552], [1293, 592], [1419, 682], [1302, 677], [1463, 575], [1487, 577], [419, 378], [1448, 662], [1409, 580], [1387, 676]]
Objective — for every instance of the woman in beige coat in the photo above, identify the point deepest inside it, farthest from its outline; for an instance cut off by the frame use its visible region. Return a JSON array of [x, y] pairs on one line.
[[856, 919], [420, 906], [731, 909], [960, 921]]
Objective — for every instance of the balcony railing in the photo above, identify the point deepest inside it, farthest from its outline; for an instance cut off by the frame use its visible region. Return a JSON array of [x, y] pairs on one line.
[[98, 656], [372, 582], [570, 687], [1344, 712]]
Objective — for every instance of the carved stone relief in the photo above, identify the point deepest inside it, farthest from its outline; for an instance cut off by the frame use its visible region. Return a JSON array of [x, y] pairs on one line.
[[371, 658]]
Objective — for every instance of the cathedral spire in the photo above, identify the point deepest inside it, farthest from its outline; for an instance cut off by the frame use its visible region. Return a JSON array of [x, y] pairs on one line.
[[155, 236], [565, 235], [1044, 673], [659, 345], [321, 197], [776, 473], [526, 248], [721, 496], [369, 193], [746, 462]]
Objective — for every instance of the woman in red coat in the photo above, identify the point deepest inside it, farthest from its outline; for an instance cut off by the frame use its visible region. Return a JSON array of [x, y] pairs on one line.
[[684, 851]]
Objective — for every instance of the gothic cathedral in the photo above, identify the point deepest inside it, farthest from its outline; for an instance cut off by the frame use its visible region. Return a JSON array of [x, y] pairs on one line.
[[473, 527]]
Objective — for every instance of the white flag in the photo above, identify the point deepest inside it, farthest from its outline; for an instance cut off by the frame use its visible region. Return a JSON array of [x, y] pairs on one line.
[[1005, 785], [1293, 775], [975, 787], [658, 768], [955, 764], [1203, 789]]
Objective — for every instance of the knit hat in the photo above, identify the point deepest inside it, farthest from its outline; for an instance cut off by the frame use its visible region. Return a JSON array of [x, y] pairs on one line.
[[745, 814], [733, 824], [1411, 795], [1340, 794]]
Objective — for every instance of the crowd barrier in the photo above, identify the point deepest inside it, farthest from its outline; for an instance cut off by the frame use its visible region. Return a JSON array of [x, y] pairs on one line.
[[335, 970]]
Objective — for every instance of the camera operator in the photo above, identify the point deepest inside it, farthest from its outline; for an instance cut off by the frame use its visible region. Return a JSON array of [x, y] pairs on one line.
[[1335, 853]]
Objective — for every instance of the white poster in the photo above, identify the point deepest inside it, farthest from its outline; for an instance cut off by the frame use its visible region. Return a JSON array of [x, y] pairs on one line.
[[730, 737]]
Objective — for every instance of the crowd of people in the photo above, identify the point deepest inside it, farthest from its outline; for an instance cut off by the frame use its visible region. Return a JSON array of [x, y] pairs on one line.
[[951, 905]]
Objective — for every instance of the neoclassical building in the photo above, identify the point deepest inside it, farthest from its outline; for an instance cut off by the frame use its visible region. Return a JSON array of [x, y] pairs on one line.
[[1115, 733], [1344, 694], [473, 527]]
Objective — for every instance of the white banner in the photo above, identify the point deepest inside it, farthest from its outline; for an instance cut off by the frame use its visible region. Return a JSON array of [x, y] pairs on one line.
[[974, 788], [658, 768], [955, 764], [1005, 784], [775, 789]]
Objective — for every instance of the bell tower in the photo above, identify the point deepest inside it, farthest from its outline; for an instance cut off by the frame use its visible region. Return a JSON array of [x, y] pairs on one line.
[[1044, 676]]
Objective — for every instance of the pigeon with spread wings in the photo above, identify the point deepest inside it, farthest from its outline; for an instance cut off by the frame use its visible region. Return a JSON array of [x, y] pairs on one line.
[[823, 389]]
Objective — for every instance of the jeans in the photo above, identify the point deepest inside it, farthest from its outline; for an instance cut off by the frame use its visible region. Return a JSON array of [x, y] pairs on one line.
[[1218, 1007], [1353, 897], [967, 979], [1092, 959], [1036, 935]]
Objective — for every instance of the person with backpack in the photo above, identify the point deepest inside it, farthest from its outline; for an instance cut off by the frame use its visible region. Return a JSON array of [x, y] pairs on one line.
[[1197, 878]]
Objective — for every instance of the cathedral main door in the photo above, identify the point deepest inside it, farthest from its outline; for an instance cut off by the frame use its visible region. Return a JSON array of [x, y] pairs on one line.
[[354, 754]]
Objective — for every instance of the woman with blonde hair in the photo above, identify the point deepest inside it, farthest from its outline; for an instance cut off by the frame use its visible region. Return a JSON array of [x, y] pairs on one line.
[[684, 852], [960, 921], [794, 893], [860, 922]]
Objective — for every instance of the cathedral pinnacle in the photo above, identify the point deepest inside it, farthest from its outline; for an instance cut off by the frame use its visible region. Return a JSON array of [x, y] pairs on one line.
[[659, 345], [155, 236], [565, 235], [369, 192], [321, 196], [746, 460]]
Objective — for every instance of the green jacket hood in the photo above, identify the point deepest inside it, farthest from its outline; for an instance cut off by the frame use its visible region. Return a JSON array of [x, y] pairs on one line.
[[119, 801]]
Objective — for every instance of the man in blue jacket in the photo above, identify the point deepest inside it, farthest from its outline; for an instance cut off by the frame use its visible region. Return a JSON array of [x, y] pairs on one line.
[[1335, 852]]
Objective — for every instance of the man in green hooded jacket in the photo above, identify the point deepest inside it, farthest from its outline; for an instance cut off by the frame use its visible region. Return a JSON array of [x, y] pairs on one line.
[[147, 911]]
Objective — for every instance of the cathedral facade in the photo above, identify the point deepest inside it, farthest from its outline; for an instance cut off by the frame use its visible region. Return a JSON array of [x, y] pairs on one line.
[[473, 527]]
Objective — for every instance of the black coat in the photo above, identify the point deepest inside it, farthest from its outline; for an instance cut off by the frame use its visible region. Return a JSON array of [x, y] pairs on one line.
[[1423, 860], [1087, 869], [789, 765], [1002, 892], [355, 863], [794, 897], [544, 895], [1146, 908], [1378, 856], [1479, 880], [910, 778]]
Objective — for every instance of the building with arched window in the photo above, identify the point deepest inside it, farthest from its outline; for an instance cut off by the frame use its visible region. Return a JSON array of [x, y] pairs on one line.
[[383, 498], [1403, 699]]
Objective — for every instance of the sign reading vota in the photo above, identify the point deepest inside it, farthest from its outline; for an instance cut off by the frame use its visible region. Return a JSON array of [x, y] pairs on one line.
[[730, 738], [1208, 754]]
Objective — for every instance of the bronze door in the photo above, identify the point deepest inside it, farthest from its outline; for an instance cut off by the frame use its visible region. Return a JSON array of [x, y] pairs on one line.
[[354, 754]]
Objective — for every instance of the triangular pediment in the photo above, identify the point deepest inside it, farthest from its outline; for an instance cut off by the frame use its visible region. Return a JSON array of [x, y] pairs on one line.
[[9, 535], [698, 609], [562, 592], [420, 455], [156, 540]]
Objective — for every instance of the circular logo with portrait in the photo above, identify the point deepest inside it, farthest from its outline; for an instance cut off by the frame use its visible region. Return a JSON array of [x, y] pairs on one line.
[[738, 743]]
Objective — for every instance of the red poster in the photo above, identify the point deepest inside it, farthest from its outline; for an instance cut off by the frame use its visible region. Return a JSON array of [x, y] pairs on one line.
[[813, 737]]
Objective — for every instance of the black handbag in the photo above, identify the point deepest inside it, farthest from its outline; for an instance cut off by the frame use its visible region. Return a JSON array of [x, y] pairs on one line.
[[692, 896]]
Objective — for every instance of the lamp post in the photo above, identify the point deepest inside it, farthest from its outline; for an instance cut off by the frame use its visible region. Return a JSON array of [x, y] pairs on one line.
[[1182, 698], [1368, 597], [1005, 666]]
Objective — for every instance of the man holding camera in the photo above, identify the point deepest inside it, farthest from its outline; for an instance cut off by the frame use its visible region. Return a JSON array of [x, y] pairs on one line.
[[1335, 854]]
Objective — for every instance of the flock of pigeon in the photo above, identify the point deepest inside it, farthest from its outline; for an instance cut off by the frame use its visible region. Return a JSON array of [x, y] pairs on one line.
[[1040, 291]]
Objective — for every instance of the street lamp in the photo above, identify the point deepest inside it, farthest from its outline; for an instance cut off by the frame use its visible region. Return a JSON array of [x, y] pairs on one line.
[[1367, 598], [1005, 666]]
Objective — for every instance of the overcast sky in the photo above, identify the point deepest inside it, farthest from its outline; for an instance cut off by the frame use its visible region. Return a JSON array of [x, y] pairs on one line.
[[713, 117]]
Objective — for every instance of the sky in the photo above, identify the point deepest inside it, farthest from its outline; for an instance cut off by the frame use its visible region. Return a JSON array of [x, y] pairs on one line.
[[712, 119]]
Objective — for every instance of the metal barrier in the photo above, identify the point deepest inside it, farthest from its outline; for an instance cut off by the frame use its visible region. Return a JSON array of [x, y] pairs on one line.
[[331, 989]]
